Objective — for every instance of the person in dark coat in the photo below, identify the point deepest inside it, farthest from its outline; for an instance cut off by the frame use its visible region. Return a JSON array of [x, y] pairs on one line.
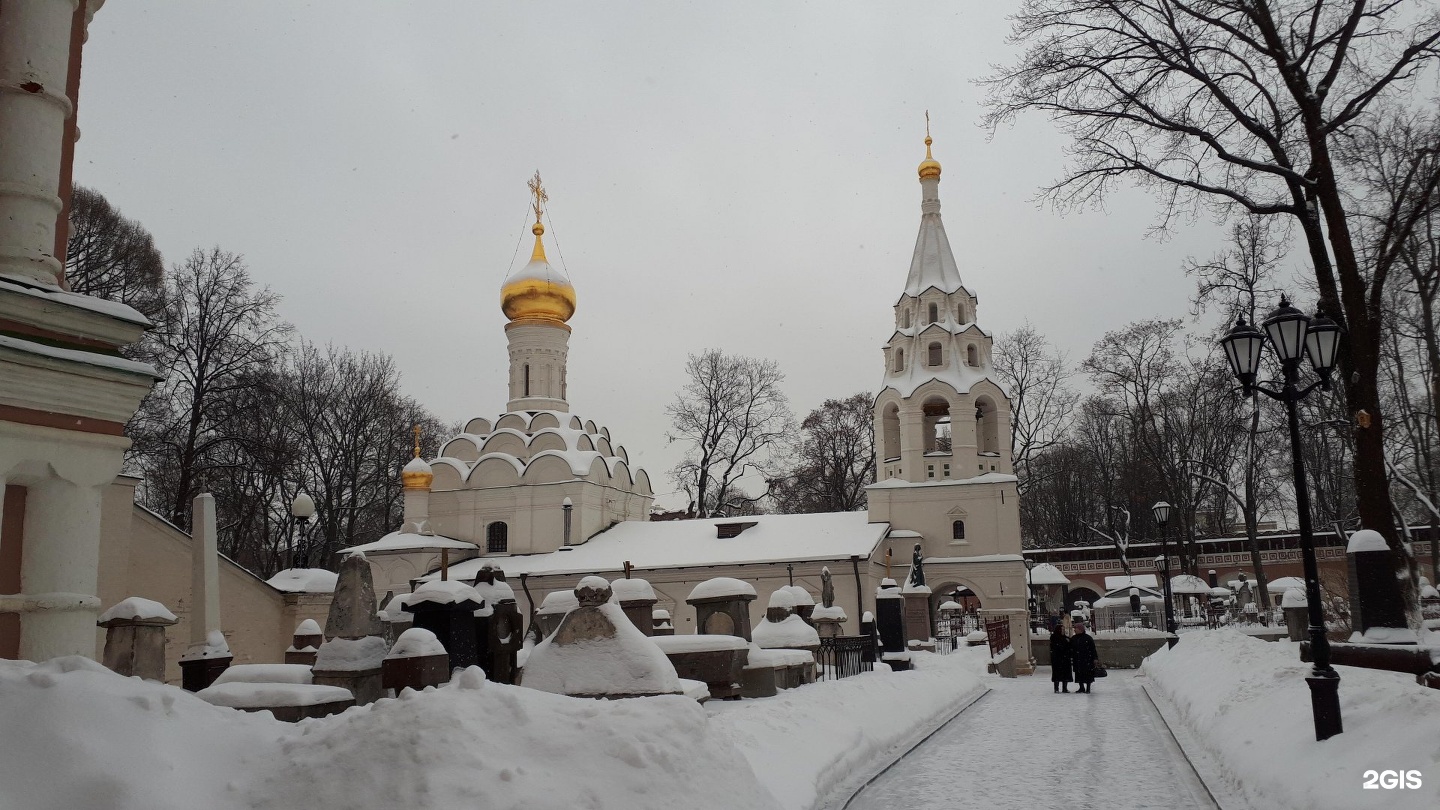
[[1060, 659], [1083, 657]]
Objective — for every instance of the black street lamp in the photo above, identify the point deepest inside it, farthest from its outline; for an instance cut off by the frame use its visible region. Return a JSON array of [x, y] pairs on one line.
[[1031, 603], [1294, 337], [1161, 511], [303, 510]]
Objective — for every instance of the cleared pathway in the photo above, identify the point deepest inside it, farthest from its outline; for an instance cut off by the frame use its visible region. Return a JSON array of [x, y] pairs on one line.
[[1024, 747]]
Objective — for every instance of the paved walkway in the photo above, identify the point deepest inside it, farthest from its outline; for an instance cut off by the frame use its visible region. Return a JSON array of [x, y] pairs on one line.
[[1023, 746]]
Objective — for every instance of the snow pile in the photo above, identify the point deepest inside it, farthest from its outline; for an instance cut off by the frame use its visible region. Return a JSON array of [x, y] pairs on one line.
[[128, 744], [625, 663], [793, 632], [309, 627], [1366, 540], [560, 602], [835, 612], [494, 592], [1293, 598], [782, 598], [1248, 704], [416, 642], [241, 695], [700, 642], [778, 658], [350, 655], [802, 596], [803, 748], [137, 608], [265, 673], [304, 580], [444, 592], [721, 587]]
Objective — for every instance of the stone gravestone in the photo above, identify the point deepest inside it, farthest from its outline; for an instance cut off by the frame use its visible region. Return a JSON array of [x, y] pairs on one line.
[[890, 623], [135, 638], [208, 654], [1377, 612], [355, 646], [722, 607], [447, 609], [919, 620], [828, 617], [417, 660], [598, 652], [499, 631], [637, 599], [305, 643], [1297, 614]]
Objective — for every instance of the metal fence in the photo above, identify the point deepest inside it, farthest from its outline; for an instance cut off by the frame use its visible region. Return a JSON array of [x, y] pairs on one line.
[[843, 656], [997, 634], [951, 630], [1430, 608]]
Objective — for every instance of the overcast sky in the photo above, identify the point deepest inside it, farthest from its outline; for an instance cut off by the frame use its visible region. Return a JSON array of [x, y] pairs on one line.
[[732, 175]]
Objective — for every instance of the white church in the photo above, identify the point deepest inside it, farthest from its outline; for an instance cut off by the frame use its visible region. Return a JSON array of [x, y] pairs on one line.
[[548, 497]]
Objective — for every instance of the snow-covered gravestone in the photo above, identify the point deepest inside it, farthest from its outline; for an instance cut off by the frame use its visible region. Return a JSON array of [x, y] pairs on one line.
[[1377, 609], [784, 629], [352, 610], [722, 607], [890, 624], [447, 609], [828, 617], [305, 643], [553, 609], [804, 602], [499, 630], [135, 637], [356, 644], [598, 652], [417, 660], [1297, 613], [208, 654], [637, 599]]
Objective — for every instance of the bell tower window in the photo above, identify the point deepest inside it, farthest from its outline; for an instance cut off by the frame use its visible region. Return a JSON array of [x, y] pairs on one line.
[[935, 351], [899, 359], [527, 379], [957, 530], [934, 313], [905, 319], [937, 425], [972, 356], [891, 446]]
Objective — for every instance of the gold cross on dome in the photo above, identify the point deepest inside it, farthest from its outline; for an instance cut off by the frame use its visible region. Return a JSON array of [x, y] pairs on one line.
[[538, 192], [417, 441]]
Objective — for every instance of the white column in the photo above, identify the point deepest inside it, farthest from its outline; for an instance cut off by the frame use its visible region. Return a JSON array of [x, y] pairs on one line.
[[204, 572], [417, 510], [34, 64], [59, 569]]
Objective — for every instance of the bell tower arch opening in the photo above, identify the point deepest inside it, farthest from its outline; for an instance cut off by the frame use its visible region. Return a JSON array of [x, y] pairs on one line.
[[937, 425], [987, 433], [890, 440]]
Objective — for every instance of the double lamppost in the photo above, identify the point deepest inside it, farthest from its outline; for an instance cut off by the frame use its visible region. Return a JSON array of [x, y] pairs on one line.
[[1161, 511], [1032, 603], [1293, 336]]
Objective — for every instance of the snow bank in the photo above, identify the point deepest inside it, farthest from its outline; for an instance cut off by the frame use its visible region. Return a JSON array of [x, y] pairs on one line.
[[241, 695], [137, 608], [128, 744], [626, 663], [1247, 703], [803, 749], [793, 632]]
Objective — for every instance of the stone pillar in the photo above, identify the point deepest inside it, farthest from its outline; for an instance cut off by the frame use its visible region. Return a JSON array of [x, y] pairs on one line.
[[447, 609], [1377, 608], [208, 654], [919, 621], [722, 607], [135, 638], [1297, 614], [890, 617], [305, 643], [417, 510], [35, 59]]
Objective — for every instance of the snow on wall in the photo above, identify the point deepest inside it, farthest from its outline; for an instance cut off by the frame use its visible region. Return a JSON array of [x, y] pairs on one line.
[[137, 608]]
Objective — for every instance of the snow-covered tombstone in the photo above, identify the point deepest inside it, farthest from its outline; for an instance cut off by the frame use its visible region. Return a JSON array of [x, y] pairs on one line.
[[783, 627], [722, 607], [447, 608], [661, 619], [417, 660], [352, 610], [553, 609], [135, 637], [598, 652], [804, 602], [828, 617], [890, 624], [499, 628], [304, 643], [1297, 614], [919, 620], [637, 599], [355, 645], [1377, 611]]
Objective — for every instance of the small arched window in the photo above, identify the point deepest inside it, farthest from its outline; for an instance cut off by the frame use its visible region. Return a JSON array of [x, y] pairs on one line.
[[960, 313], [972, 356], [899, 359], [934, 313], [905, 319], [957, 530], [527, 379], [497, 538], [934, 354]]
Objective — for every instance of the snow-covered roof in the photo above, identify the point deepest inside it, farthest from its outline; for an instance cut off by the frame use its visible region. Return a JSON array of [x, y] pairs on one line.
[[137, 608], [1283, 584], [24, 285], [1141, 580], [304, 580], [106, 361], [1047, 574], [933, 263], [410, 541], [685, 543], [958, 376], [1188, 584]]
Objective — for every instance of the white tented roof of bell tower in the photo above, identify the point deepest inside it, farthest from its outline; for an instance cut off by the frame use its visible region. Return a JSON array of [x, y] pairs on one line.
[[933, 264]]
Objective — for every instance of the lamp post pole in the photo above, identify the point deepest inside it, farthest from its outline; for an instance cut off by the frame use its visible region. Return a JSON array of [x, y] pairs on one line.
[[1293, 336], [1161, 511]]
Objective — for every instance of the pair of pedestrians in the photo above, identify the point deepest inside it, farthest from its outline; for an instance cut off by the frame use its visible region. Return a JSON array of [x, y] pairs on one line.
[[1072, 658]]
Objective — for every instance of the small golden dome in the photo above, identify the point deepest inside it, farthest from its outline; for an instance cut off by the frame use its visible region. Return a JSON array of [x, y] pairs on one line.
[[537, 291], [417, 473], [929, 167]]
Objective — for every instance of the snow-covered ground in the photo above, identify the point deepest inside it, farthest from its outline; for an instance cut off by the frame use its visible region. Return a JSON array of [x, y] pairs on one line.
[[75, 735], [1246, 703], [1022, 746], [807, 743]]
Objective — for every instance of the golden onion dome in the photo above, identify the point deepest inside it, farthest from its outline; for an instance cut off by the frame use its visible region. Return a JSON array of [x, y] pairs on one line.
[[537, 291], [417, 474], [929, 167]]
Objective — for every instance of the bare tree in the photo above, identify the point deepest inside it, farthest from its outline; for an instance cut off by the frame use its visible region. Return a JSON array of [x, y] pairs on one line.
[[1042, 404], [110, 256], [833, 460], [732, 416], [219, 332], [1240, 105]]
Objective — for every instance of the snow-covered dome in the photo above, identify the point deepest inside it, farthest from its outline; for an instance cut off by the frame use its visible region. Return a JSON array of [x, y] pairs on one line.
[[537, 291], [417, 474]]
